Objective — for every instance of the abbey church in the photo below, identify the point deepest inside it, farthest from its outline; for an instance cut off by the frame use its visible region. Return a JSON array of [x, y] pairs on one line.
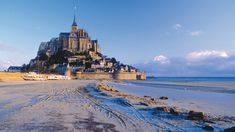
[[78, 40], [75, 53]]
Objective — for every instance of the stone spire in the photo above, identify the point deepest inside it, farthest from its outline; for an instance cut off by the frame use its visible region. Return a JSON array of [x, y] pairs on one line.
[[74, 21], [74, 25], [75, 12]]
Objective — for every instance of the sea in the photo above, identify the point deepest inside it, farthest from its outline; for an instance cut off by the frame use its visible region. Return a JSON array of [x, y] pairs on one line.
[[192, 79], [206, 84], [214, 95]]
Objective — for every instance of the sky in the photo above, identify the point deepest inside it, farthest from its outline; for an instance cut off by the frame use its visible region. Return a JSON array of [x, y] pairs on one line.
[[161, 37]]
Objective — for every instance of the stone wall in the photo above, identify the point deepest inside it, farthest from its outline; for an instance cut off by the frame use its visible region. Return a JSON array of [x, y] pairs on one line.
[[5, 76], [87, 75], [141, 76], [125, 76], [108, 76]]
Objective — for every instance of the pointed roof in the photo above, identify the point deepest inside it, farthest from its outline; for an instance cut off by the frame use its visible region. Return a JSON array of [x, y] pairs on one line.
[[74, 21]]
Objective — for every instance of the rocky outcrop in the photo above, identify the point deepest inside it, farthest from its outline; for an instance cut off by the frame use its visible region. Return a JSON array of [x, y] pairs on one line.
[[164, 98], [196, 115], [52, 46]]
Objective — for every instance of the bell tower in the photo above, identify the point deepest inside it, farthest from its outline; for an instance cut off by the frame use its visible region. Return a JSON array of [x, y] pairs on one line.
[[74, 25]]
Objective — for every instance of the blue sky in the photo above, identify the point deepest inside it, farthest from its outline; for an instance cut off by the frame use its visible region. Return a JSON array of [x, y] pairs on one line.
[[139, 32]]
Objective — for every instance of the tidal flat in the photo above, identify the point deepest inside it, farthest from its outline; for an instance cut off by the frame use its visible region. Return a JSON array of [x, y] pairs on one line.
[[80, 105], [59, 106]]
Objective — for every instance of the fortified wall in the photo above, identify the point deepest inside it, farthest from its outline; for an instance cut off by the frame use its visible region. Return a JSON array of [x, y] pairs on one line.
[[129, 76], [89, 75], [6, 76], [109, 76], [125, 76]]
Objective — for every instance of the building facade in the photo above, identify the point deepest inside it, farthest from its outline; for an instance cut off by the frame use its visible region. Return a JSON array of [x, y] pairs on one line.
[[14, 69], [78, 40]]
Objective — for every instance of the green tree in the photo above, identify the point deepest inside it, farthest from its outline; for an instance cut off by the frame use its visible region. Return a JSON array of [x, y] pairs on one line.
[[87, 65], [113, 60]]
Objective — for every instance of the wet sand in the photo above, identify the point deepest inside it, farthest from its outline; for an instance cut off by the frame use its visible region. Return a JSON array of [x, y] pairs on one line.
[[58, 106], [215, 98], [172, 116], [88, 105]]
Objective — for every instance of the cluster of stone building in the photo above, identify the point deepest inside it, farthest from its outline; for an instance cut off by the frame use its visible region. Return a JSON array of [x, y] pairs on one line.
[[86, 60], [104, 68]]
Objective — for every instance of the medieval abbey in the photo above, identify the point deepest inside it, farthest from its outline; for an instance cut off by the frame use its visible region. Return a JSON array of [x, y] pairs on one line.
[[78, 40], [77, 53]]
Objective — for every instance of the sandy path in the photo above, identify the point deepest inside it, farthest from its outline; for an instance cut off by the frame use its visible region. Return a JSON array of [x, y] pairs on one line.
[[60, 106]]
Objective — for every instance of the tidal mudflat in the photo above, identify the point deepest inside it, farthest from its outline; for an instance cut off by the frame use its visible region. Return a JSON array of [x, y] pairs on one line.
[[59, 106], [90, 105]]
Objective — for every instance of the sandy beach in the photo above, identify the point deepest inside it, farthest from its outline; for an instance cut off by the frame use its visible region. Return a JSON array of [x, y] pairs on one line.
[[59, 106], [91, 105]]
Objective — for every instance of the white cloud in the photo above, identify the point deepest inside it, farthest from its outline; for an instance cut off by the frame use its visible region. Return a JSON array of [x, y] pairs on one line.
[[200, 55], [214, 64], [177, 26], [161, 59], [196, 33]]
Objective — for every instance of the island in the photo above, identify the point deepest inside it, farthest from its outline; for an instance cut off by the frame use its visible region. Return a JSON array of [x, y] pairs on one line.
[[75, 54]]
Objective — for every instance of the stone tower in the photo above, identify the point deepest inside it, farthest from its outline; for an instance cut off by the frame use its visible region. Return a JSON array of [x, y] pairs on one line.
[[73, 37], [78, 40], [74, 25]]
